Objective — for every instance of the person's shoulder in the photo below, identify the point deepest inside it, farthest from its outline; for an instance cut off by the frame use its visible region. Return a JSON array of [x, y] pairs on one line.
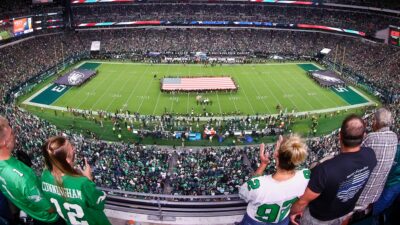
[[304, 173], [16, 170]]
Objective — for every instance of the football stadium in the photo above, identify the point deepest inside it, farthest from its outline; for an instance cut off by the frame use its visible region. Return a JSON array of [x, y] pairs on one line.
[[189, 112]]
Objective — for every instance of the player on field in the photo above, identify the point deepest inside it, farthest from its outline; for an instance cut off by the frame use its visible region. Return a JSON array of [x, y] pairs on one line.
[[73, 193], [19, 183], [270, 197]]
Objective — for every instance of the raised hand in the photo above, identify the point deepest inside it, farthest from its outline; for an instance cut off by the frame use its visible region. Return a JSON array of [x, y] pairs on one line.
[[264, 157]]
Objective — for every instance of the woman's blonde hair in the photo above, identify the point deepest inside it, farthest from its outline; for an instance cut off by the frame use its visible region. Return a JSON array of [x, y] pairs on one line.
[[292, 152]]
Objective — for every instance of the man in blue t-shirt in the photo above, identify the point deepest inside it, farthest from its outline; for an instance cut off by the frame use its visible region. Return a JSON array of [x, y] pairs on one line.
[[336, 184]]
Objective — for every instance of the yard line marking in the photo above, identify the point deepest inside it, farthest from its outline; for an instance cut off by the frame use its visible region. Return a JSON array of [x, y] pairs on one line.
[[159, 94], [259, 76], [295, 89], [187, 104], [121, 89], [280, 88], [80, 90], [105, 92], [219, 104], [258, 93], [314, 96], [147, 91], [137, 84], [247, 98]]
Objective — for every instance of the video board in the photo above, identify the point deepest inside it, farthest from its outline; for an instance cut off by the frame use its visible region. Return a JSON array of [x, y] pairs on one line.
[[394, 36], [6, 30], [22, 26]]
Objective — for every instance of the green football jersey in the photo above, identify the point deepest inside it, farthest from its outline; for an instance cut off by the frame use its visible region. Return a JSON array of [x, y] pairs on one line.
[[77, 201], [20, 185]]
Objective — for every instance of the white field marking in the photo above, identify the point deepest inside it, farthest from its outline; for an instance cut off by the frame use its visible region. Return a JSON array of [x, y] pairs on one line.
[[247, 98], [187, 103], [219, 104], [258, 93], [147, 90], [269, 90], [120, 89], [280, 88], [98, 99], [80, 64], [305, 90], [362, 95], [226, 117], [36, 94], [326, 95], [201, 65], [137, 84], [78, 92], [355, 90], [159, 94], [295, 90]]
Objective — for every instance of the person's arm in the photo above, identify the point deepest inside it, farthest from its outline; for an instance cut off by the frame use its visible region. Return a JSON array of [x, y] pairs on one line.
[[264, 161], [264, 157], [95, 198], [299, 206]]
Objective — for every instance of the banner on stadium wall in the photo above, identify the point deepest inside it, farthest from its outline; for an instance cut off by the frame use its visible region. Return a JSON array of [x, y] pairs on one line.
[[95, 46], [225, 23], [315, 2]]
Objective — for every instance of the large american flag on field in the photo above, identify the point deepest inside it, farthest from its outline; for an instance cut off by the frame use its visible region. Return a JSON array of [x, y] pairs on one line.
[[198, 84]]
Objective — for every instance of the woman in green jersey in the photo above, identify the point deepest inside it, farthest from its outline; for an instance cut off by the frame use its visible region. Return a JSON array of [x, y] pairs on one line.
[[71, 191]]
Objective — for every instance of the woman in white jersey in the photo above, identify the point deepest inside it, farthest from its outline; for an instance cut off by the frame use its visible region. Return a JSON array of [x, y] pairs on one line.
[[270, 197]]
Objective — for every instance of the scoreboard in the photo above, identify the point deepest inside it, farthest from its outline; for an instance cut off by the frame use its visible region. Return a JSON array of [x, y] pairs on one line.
[[394, 36]]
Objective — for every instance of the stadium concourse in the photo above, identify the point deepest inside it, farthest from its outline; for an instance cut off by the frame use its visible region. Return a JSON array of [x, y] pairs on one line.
[[146, 182]]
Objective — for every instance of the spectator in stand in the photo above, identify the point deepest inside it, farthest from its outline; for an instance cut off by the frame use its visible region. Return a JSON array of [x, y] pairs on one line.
[[270, 197], [384, 143], [19, 183], [65, 186], [336, 184], [390, 192], [5, 213]]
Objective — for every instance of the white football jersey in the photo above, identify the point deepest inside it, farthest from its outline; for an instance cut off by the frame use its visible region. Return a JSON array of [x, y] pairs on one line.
[[269, 200]]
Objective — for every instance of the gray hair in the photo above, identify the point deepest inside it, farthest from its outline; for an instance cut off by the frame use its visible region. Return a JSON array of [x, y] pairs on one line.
[[383, 118]]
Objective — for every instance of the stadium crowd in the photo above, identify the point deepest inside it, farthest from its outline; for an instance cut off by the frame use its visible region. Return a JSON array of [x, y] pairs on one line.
[[369, 22], [375, 63]]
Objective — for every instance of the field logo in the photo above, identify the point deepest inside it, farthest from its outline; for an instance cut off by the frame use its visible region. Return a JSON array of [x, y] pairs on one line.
[[75, 78], [341, 89], [59, 88]]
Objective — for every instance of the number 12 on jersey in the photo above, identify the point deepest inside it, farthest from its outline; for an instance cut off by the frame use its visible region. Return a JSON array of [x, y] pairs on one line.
[[74, 212]]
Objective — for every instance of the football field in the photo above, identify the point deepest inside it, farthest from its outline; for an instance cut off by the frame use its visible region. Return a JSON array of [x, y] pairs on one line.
[[136, 87]]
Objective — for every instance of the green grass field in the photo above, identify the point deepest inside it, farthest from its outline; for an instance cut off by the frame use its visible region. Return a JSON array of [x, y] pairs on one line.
[[262, 87]]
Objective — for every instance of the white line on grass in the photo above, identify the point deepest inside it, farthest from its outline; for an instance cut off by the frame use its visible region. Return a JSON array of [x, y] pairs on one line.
[[226, 117], [248, 100], [295, 89], [97, 87], [280, 88], [187, 104], [255, 88], [159, 94], [147, 90], [122, 88], [219, 104], [37, 93], [137, 84]]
